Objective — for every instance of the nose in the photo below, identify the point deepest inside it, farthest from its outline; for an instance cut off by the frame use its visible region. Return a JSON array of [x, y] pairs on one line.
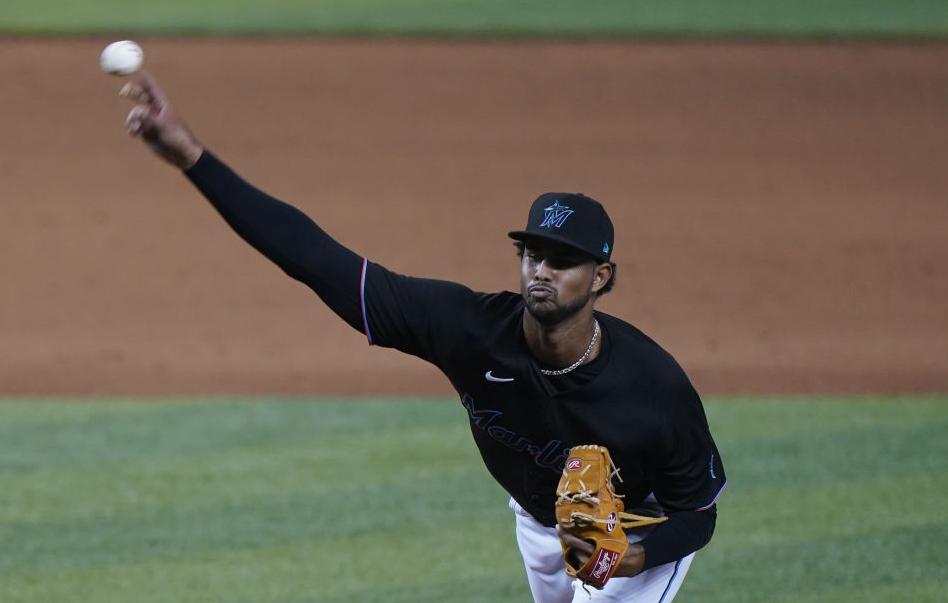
[[543, 272]]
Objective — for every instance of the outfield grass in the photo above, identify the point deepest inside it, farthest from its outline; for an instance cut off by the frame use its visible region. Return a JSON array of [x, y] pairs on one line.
[[807, 18], [293, 502]]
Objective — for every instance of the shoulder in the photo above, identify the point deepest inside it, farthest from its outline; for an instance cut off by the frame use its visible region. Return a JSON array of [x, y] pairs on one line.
[[640, 356], [645, 367], [440, 290], [501, 302]]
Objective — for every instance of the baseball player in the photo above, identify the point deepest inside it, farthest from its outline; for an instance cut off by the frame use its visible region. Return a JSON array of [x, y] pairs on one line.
[[537, 371]]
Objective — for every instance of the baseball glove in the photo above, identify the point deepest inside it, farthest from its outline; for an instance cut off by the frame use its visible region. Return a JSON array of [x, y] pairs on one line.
[[588, 507]]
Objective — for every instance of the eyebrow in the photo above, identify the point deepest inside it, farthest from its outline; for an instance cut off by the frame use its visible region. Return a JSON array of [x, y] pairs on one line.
[[565, 255]]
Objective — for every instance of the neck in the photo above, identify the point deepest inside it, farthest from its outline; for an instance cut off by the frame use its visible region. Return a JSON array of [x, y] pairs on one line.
[[563, 343]]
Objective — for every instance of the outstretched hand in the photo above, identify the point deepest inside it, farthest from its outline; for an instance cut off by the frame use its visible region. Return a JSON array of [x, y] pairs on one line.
[[153, 120]]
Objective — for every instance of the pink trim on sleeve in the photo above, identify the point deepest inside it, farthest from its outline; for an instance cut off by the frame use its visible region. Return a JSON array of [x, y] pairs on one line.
[[715, 499], [365, 318]]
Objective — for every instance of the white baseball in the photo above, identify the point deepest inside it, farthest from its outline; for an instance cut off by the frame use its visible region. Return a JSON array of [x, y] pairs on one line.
[[121, 58]]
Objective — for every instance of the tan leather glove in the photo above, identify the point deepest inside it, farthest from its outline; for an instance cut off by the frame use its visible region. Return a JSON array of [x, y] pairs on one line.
[[588, 507]]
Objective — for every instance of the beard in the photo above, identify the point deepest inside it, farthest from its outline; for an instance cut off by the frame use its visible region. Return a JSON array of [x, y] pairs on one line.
[[549, 312]]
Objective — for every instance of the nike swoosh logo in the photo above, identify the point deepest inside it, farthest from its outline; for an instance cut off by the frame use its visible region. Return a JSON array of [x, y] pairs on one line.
[[490, 377]]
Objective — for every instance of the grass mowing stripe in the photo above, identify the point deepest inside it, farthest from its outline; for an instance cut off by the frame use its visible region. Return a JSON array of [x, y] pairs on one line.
[[282, 517], [883, 556], [927, 589], [71, 492], [844, 509], [127, 433], [826, 457], [49, 411], [361, 567], [763, 418], [487, 17], [262, 508], [784, 442]]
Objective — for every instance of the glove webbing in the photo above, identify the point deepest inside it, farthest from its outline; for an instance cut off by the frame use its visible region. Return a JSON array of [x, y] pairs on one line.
[[584, 495]]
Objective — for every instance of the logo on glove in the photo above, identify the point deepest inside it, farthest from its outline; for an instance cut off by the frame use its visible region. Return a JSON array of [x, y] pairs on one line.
[[574, 464], [603, 565]]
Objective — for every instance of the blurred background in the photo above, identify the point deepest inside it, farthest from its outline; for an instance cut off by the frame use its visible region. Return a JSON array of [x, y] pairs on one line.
[[776, 174]]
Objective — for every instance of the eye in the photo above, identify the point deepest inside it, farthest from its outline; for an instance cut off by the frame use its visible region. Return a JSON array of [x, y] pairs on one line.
[[564, 262]]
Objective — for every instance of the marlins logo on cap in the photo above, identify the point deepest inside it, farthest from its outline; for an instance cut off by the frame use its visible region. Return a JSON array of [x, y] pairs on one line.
[[555, 215]]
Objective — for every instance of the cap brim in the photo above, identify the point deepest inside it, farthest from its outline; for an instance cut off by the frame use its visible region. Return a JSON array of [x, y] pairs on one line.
[[525, 235]]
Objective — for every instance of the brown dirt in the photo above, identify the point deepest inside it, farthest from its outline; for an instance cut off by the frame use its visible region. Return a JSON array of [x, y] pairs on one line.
[[781, 209]]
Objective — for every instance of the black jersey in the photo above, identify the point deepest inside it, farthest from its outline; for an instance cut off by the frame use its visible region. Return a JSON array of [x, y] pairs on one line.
[[634, 398]]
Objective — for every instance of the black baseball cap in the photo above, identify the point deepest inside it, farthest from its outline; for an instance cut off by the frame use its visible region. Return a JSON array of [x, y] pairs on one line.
[[572, 219]]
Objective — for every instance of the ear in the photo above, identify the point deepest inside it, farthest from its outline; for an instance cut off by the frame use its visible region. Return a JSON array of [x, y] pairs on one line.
[[601, 277]]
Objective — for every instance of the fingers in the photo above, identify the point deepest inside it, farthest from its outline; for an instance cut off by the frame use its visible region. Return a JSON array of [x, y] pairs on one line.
[[150, 85], [578, 551], [133, 91], [144, 89], [578, 544], [139, 120]]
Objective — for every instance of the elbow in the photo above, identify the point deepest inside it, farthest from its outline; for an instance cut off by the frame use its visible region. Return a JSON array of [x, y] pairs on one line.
[[709, 525]]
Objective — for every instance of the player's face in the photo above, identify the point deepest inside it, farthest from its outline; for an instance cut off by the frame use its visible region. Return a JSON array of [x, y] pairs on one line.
[[556, 281]]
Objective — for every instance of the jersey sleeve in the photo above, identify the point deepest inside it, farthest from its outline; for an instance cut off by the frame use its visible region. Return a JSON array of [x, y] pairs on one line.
[[684, 533], [285, 235], [420, 316], [687, 473]]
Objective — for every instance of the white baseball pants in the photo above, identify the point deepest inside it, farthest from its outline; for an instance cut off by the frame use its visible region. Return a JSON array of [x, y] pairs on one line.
[[549, 582]]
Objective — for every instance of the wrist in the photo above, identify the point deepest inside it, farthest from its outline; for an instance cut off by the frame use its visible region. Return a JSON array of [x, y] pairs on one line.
[[190, 156], [633, 561]]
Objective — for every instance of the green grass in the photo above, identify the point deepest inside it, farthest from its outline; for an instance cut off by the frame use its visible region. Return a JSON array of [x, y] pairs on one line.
[[293, 502], [765, 18]]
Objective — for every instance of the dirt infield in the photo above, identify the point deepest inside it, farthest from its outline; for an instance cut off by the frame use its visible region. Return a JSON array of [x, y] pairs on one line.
[[781, 210]]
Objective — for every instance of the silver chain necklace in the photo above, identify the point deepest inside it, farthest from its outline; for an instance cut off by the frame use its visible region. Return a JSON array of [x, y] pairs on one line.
[[582, 359]]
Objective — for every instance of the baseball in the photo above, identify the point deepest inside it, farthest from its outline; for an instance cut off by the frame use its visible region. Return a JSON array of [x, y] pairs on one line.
[[121, 58]]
